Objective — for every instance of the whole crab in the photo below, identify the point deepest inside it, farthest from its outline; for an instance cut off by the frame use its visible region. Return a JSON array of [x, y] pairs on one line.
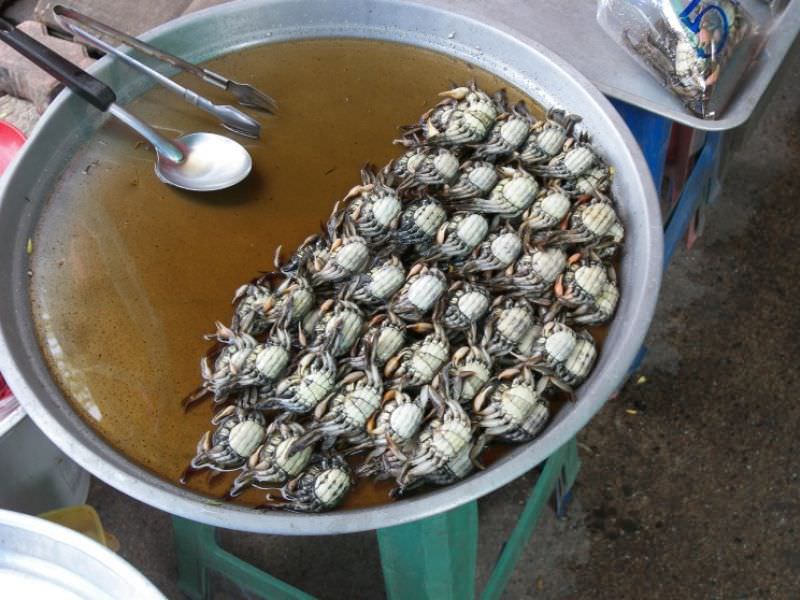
[[511, 319], [419, 222], [424, 166], [237, 435], [418, 364], [441, 442], [509, 132], [467, 303], [458, 237], [547, 138], [470, 369], [373, 208], [513, 194], [498, 251], [380, 283], [273, 462], [312, 381], [422, 289], [512, 407], [347, 412], [322, 486], [476, 178], [464, 117]]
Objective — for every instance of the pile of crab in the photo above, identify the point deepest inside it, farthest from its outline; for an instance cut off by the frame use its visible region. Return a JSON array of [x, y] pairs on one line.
[[443, 307]]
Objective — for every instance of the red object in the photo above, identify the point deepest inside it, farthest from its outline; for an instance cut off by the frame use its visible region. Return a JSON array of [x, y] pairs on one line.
[[11, 140], [4, 389]]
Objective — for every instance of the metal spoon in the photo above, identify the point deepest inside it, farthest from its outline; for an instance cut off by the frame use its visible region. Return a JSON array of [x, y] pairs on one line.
[[197, 161], [231, 118]]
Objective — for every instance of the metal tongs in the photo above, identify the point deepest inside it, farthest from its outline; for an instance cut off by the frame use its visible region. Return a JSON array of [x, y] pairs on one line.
[[231, 118]]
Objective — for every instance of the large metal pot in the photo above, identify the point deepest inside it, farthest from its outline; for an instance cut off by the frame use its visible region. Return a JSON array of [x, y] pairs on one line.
[[537, 71]]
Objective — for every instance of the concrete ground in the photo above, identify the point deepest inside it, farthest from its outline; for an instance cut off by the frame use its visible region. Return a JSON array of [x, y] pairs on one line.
[[690, 480]]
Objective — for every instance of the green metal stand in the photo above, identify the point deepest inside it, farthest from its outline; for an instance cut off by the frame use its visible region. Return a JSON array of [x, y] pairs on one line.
[[433, 558]]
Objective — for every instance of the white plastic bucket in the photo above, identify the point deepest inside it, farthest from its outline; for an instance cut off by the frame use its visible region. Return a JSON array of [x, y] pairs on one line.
[[37, 476]]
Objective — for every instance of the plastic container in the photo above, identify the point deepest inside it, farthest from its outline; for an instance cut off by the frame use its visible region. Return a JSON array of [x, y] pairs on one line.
[[40, 559]]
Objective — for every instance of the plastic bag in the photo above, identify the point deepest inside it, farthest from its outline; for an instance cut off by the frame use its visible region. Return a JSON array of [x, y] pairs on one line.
[[698, 48]]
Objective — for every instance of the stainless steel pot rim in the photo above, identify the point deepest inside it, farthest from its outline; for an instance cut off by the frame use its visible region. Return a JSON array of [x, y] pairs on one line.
[[248, 21]]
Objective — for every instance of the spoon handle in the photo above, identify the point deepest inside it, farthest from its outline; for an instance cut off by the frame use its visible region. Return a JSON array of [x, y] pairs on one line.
[[94, 91]]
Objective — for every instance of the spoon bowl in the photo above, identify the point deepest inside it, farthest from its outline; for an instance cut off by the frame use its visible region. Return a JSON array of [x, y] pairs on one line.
[[210, 162]]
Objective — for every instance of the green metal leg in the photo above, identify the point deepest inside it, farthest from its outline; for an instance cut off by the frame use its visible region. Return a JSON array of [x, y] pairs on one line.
[[562, 464], [433, 558], [199, 553]]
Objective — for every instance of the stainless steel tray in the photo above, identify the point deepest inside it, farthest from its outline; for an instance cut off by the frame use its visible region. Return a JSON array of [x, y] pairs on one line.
[[570, 29]]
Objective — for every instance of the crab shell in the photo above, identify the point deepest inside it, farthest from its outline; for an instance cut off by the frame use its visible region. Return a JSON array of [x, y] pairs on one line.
[[585, 281], [596, 219], [476, 179], [271, 360], [556, 343], [388, 340], [466, 232], [513, 194], [506, 136], [544, 142], [420, 221], [466, 306], [405, 421], [385, 279], [399, 421], [423, 289], [349, 258], [547, 211], [579, 160], [511, 323], [245, 437]]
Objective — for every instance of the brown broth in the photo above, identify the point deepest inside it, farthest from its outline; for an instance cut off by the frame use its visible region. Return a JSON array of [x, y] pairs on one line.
[[129, 273]]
